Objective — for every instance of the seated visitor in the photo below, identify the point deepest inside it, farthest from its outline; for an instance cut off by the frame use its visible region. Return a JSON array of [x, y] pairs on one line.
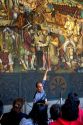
[[15, 115], [75, 96], [55, 112], [69, 112], [1, 108]]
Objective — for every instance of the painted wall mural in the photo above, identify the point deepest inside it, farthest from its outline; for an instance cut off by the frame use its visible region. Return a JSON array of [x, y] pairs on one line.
[[37, 34]]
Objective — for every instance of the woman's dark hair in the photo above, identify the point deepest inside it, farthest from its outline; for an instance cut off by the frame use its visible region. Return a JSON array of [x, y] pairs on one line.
[[70, 108], [55, 111], [74, 96]]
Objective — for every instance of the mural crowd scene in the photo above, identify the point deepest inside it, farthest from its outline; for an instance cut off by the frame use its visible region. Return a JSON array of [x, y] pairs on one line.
[[36, 34]]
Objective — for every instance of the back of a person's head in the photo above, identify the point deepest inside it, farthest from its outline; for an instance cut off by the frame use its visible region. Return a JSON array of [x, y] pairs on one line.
[[1, 107], [55, 111], [70, 108], [74, 96]]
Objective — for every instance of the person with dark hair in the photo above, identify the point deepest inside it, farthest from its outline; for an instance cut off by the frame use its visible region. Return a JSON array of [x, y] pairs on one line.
[[40, 94], [1, 108], [39, 109], [71, 107], [69, 112], [76, 98], [15, 115], [55, 111]]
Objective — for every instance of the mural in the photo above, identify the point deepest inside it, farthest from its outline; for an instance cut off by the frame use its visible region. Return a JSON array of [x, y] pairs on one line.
[[37, 34]]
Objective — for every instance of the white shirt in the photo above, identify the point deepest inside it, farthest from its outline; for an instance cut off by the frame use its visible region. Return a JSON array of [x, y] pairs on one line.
[[25, 121]]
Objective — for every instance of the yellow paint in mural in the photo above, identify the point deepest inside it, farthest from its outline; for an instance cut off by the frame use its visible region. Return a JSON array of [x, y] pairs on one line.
[[1, 42]]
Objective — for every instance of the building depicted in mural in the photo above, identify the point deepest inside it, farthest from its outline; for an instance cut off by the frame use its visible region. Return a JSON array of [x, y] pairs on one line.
[[36, 34]]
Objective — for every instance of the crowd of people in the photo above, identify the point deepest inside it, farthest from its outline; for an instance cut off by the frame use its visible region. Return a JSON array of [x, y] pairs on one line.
[[69, 113]]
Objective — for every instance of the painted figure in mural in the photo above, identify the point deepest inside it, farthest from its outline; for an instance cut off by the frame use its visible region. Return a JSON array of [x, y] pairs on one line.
[[45, 48], [6, 61], [26, 58], [47, 52], [22, 58], [11, 62], [52, 52], [39, 57], [33, 61], [29, 50], [29, 59], [69, 49], [9, 39], [41, 43], [79, 50], [70, 53], [69, 25], [62, 63], [76, 28], [59, 52]]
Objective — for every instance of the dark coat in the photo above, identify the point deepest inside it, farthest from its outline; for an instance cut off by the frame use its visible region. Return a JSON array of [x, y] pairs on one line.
[[12, 118]]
